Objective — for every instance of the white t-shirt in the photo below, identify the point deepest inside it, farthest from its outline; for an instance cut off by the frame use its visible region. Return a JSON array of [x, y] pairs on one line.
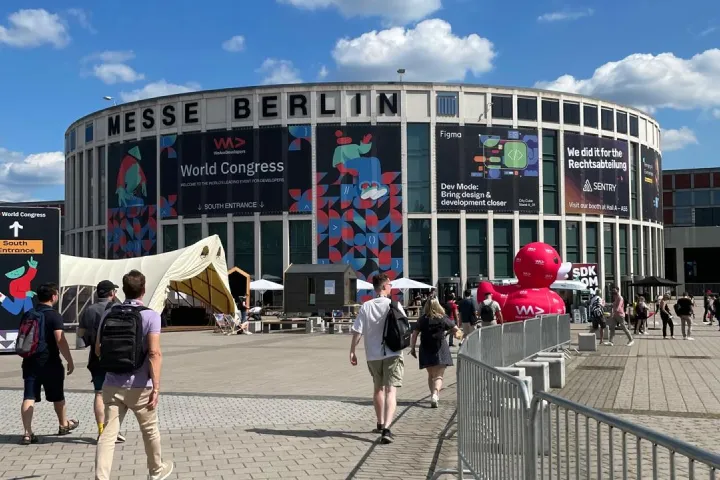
[[370, 323]]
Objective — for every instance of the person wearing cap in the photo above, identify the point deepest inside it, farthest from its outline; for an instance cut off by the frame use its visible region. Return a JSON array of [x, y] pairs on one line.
[[89, 323]]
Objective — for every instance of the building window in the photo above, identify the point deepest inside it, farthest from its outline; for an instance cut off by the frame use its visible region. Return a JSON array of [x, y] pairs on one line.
[[668, 217], [80, 191], [311, 290], [682, 181], [89, 132], [102, 249], [170, 238], [551, 198], [636, 250], [551, 232], [503, 248], [572, 242], [448, 245], [634, 130], [476, 248], [102, 186], [418, 171], [646, 251], [219, 229], [244, 246], [193, 233], [634, 181], [621, 121], [271, 249], [683, 198], [590, 116], [419, 250], [701, 197], [91, 186], [606, 120], [527, 108], [73, 140], [707, 217], [502, 107], [715, 197], [81, 244], [528, 232], [551, 111], [571, 113], [609, 245], [447, 104], [683, 216], [623, 249], [591, 242], [301, 242]]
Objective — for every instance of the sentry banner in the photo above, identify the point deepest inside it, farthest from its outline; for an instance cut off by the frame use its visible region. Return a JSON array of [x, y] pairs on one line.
[[487, 168], [651, 198], [596, 175]]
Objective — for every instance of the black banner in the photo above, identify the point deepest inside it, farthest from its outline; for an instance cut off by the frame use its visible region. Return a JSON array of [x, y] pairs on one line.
[[651, 178], [30, 256], [240, 171], [487, 168], [132, 197], [596, 176]]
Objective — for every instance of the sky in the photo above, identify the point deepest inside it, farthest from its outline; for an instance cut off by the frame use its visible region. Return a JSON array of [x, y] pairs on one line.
[[59, 58]]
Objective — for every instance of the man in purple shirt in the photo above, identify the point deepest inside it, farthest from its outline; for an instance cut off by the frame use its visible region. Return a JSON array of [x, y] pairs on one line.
[[137, 391]]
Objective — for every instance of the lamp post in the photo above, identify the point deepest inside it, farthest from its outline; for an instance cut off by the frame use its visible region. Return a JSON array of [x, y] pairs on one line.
[[401, 72], [110, 99]]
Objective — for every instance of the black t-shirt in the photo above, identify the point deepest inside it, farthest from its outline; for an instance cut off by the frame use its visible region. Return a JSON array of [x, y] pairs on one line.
[[684, 306], [51, 355], [467, 311]]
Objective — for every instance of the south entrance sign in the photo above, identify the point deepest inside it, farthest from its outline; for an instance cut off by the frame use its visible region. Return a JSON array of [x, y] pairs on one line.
[[29, 257]]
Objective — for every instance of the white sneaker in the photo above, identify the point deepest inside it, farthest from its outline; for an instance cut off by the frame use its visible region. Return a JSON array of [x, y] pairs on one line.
[[690, 338], [248, 332], [631, 343], [165, 472], [609, 344], [434, 401]]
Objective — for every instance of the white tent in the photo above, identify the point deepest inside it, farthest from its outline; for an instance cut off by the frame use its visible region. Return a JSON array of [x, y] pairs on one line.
[[264, 286], [405, 283], [199, 271], [363, 285]]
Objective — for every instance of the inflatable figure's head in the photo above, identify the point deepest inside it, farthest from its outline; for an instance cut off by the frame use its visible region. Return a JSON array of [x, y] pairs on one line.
[[538, 265]]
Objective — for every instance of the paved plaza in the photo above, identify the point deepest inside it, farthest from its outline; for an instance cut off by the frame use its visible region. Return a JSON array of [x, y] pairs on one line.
[[289, 405]]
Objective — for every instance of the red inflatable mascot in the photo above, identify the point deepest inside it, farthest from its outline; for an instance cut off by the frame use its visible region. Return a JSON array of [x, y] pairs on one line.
[[537, 265]]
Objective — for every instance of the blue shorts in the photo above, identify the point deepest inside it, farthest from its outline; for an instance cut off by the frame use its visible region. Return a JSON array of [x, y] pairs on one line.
[[51, 378], [98, 379]]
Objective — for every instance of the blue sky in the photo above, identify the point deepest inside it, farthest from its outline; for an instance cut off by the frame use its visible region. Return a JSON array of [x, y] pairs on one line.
[[58, 59]]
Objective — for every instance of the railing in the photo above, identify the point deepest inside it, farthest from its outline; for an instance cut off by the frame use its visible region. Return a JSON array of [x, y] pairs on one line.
[[505, 432]]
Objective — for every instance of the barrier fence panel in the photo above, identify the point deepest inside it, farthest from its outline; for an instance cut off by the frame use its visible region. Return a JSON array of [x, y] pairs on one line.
[[533, 336], [549, 331], [491, 344], [576, 441], [564, 329], [513, 340]]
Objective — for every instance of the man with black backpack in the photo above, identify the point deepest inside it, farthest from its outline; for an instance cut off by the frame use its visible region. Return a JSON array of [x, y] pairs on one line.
[[128, 347], [88, 328], [490, 311], [40, 342], [387, 333]]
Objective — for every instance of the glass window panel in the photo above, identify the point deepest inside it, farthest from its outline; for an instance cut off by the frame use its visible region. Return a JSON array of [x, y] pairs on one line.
[[419, 250], [102, 186], [702, 197], [418, 172], [502, 233], [502, 107], [102, 251], [623, 249], [571, 113], [448, 242], [572, 247], [301, 242], [606, 118], [476, 243], [590, 116], [271, 248], [527, 108], [244, 239], [591, 242], [636, 250], [683, 198], [622, 122], [551, 231], [551, 111], [528, 232], [193, 233], [170, 238], [609, 261]]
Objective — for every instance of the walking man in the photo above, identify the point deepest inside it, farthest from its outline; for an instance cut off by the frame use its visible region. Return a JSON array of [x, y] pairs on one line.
[[597, 315], [617, 318], [138, 390], [468, 314], [44, 369], [490, 313], [685, 311], [88, 328], [386, 367]]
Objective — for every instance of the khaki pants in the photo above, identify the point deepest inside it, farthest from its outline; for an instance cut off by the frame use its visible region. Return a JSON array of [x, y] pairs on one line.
[[685, 321], [616, 321], [468, 328], [117, 403], [488, 324]]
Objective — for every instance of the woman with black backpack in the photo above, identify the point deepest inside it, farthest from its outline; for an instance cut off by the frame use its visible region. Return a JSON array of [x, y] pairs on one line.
[[666, 317], [433, 325]]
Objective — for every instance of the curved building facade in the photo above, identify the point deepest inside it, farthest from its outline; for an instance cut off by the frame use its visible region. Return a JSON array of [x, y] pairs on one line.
[[427, 181]]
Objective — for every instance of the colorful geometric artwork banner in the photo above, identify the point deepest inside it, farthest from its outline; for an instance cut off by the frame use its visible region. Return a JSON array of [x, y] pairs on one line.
[[132, 196], [651, 173], [359, 199]]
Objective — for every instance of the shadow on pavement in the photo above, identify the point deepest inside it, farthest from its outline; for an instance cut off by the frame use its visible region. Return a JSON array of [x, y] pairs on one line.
[[47, 440], [311, 434]]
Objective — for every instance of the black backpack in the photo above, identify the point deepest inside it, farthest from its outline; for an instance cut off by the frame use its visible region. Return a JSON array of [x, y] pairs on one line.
[[121, 339], [397, 332], [487, 314]]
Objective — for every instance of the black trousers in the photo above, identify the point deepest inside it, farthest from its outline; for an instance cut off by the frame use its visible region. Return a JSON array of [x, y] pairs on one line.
[[667, 322]]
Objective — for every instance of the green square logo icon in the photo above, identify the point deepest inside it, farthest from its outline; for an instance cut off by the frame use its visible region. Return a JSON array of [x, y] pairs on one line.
[[516, 155]]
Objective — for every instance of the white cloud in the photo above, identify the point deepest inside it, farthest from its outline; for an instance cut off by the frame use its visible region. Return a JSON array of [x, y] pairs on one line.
[[652, 81], [17, 171], [707, 31], [112, 73], [278, 72], [110, 56], [234, 44], [323, 73], [32, 28], [158, 89], [672, 139], [566, 15], [430, 51], [716, 113], [83, 18], [395, 11]]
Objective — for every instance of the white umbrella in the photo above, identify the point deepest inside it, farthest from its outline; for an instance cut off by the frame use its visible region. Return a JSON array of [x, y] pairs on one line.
[[406, 283], [568, 285], [264, 286], [363, 285]]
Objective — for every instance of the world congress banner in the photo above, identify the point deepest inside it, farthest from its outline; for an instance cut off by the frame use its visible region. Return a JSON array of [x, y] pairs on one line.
[[132, 199], [596, 175], [359, 198], [486, 168], [240, 171], [651, 198]]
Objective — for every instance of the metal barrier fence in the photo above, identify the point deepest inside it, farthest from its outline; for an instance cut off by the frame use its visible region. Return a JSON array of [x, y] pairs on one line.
[[506, 432]]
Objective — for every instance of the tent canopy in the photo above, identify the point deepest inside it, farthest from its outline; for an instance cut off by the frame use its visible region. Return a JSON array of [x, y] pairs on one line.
[[363, 285], [265, 285], [654, 282], [404, 283], [198, 270]]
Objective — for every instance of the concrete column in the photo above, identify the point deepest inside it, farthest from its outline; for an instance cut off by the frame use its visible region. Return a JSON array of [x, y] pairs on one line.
[[463, 250]]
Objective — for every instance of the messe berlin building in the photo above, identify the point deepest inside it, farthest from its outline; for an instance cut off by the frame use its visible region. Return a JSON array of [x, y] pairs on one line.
[[435, 182]]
